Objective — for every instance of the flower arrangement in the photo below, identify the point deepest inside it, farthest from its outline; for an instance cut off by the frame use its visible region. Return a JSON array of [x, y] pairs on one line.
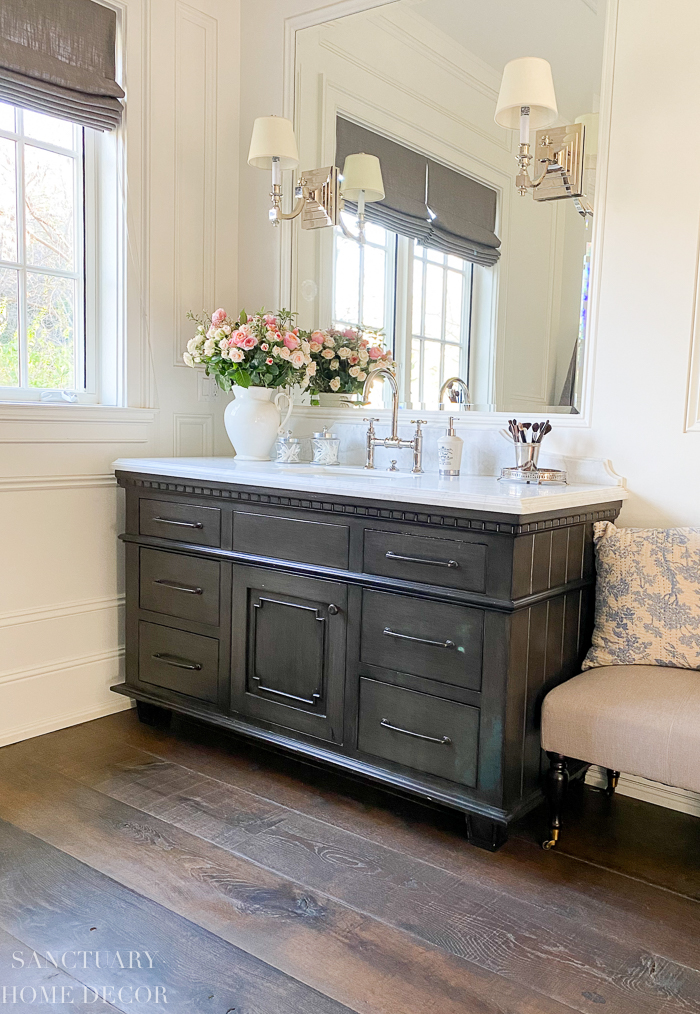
[[343, 359], [264, 350]]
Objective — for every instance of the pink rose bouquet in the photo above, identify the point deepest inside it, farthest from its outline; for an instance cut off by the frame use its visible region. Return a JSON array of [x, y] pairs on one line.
[[343, 359], [265, 350]]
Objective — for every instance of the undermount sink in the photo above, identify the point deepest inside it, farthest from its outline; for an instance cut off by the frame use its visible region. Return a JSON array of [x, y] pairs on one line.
[[354, 470]]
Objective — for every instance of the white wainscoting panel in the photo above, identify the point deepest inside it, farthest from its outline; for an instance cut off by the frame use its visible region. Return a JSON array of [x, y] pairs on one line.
[[193, 436]]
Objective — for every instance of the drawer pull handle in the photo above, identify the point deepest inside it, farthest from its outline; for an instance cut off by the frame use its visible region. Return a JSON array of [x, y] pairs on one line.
[[180, 524], [179, 663], [420, 640], [418, 559], [292, 697], [174, 586], [441, 741]]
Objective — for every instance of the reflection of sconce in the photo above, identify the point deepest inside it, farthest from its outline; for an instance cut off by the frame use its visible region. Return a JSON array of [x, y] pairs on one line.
[[274, 147], [361, 182], [526, 100]]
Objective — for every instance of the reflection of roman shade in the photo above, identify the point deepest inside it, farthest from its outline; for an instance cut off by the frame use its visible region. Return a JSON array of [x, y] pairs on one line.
[[425, 200], [58, 57]]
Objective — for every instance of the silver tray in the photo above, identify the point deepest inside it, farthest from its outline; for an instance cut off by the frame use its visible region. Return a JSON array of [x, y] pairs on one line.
[[538, 476]]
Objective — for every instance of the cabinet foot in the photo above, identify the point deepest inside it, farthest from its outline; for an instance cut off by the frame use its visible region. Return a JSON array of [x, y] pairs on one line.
[[485, 833], [152, 714]]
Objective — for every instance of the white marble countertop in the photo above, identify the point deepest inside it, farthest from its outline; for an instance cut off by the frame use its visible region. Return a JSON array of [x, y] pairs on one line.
[[471, 492]]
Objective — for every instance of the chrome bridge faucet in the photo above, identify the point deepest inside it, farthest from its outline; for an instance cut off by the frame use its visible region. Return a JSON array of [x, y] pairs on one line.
[[416, 445]]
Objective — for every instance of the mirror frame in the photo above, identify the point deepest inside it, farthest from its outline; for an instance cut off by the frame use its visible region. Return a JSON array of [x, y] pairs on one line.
[[343, 8]]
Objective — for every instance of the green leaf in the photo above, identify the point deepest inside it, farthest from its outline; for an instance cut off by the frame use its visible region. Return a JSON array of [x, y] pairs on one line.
[[243, 319]]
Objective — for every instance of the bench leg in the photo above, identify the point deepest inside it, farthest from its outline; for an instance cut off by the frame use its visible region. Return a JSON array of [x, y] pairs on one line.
[[613, 779], [557, 782]]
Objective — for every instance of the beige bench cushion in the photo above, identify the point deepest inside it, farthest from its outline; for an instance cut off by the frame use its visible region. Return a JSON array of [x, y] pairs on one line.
[[639, 719]]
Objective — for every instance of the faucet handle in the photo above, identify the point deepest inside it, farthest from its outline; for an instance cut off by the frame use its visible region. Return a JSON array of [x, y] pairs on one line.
[[371, 420], [418, 423]]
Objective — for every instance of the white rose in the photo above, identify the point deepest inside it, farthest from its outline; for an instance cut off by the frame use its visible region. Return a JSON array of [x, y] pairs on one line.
[[328, 353], [209, 347], [344, 353], [298, 359], [311, 370], [363, 355], [193, 345], [335, 365], [225, 354], [201, 329], [328, 341], [187, 357], [220, 333], [354, 371], [335, 383], [236, 355], [223, 344], [362, 375], [285, 353], [306, 348], [226, 329]]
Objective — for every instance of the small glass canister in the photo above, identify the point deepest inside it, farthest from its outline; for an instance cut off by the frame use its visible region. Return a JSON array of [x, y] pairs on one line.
[[325, 446], [288, 449]]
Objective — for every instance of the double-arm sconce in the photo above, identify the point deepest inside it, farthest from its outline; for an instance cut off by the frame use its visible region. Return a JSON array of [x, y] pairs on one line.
[[320, 193], [527, 100]]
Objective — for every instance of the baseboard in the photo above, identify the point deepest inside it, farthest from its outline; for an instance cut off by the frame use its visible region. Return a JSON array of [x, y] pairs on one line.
[[651, 792], [63, 722]]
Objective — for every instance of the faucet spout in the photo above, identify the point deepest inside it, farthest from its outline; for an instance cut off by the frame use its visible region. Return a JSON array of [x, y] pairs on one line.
[[386, 374], [466, 398]]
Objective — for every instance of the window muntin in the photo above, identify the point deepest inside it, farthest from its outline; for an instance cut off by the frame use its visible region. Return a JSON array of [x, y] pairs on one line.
[[363, 278], [42, 259]]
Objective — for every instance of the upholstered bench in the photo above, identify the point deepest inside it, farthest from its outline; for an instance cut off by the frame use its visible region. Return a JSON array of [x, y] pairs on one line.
[[636, 707]]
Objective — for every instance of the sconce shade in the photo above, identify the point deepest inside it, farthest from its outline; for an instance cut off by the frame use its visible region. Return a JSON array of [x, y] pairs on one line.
[[273, 137], [527, 81], [362, 172]]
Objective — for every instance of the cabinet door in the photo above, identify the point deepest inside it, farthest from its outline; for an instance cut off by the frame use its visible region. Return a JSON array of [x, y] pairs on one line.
[[288, 651]]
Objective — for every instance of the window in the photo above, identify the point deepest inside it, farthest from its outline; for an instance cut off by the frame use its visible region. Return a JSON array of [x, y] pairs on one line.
[[42, 254], [434, 334]]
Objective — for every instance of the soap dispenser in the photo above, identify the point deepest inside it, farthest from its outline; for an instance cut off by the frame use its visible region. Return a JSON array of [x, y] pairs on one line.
[[450, 451]]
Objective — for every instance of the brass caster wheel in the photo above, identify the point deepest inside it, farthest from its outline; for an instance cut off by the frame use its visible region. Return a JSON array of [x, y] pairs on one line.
[[547, 845]]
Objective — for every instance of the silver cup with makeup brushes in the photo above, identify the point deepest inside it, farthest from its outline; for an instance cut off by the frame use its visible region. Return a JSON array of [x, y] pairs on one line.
[[527, 440]]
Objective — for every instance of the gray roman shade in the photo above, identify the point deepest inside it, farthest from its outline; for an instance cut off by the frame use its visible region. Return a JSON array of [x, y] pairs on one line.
[[425, 200], [58, 57]]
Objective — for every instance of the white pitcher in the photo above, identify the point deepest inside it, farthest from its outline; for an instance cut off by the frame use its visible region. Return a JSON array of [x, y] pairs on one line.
[[253, 421]]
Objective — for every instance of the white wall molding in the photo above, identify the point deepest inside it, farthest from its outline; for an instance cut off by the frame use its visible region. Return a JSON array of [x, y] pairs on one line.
[[63, 721], [25, 483], [650, 792], [92, 415], [19, 616], [60, 665], [193, 436]]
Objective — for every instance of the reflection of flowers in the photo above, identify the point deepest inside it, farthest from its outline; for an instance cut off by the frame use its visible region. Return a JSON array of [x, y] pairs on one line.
[[345, 368]]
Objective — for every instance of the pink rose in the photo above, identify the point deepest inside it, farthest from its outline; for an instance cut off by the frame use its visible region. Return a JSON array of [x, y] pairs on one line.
[[291, 341], [249, 342], [218, 317], [375, 352], [270, 320], [265, 347], [237, 338], [353, 360], [317, 336], [269, 360], [348, 333]]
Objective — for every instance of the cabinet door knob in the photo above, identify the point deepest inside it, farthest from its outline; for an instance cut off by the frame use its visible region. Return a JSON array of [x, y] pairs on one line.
[[333, 610]]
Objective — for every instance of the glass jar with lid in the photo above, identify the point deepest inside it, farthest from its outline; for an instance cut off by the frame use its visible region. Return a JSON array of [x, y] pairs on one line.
[[325, 446], [287, 449]]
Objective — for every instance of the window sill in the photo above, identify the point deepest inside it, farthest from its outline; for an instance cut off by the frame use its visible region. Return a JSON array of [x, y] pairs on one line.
[[56, 411]]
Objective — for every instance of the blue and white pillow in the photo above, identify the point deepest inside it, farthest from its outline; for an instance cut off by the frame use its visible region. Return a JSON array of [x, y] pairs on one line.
[[647, 609]]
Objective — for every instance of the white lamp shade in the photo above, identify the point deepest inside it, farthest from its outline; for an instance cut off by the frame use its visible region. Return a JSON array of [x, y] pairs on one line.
[[273, 137], [362, 172], [591, 123], [527, 81]]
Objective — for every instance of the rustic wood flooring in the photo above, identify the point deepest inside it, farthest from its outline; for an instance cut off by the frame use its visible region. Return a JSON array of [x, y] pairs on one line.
[[245, 881]]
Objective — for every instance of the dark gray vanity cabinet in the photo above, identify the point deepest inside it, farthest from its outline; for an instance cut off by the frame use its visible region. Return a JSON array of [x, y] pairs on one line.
[[406, 644]]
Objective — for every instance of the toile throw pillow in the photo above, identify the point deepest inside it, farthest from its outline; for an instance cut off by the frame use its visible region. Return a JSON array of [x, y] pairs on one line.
[[647, 609]]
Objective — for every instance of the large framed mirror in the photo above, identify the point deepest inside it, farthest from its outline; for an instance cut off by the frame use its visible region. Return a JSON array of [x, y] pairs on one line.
[[464, 276]]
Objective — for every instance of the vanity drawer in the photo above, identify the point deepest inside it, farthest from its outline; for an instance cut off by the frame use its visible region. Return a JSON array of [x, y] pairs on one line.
[[180, 661], [182, 522], [444, 562], [422, 732], [291, 539], [181, 586], [436, 640]]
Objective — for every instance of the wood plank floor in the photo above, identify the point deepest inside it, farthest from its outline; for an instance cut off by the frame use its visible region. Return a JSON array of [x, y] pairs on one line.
[[250, 882]]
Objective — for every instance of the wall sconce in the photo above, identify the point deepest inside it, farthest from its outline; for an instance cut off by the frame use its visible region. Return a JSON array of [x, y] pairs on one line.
[[274, 147], [361, 182], [527, 100]]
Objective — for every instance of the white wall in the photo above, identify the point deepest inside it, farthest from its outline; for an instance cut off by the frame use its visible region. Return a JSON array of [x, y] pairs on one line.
[[61, 595], [645, 314]]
